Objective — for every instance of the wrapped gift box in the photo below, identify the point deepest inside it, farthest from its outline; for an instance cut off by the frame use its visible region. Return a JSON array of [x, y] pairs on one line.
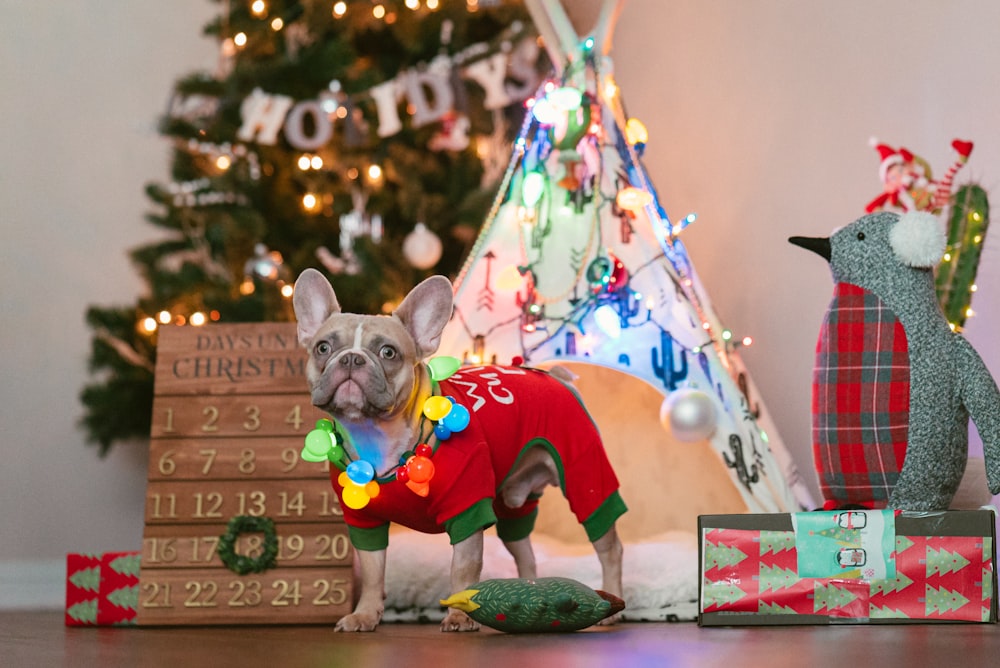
[[866, 567], [102, 589]]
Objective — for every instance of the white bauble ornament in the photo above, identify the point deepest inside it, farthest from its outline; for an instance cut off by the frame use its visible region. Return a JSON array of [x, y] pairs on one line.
[[421, 247], [689, 415]]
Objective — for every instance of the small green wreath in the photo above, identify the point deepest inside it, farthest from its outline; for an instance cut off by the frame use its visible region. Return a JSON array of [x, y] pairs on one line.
[[240, 563]]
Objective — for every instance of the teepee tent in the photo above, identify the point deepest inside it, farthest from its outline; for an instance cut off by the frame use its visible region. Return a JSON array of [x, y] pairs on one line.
[[578, 265]]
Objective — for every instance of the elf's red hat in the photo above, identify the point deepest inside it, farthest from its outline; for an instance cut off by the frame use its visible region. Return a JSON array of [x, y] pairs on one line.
[[887, 155]]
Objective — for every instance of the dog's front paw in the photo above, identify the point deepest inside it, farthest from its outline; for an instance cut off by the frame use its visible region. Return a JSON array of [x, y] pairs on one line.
[[456, 620], [358, 621]]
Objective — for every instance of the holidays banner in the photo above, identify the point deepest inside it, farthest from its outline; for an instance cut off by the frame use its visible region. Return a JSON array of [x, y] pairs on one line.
[[435, 91]]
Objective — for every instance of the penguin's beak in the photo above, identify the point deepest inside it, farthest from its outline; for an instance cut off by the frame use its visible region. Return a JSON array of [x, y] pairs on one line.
[[818, 245]]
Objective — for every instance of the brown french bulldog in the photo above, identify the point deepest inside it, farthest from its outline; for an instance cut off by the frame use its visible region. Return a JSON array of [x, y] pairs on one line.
[[526, 430]]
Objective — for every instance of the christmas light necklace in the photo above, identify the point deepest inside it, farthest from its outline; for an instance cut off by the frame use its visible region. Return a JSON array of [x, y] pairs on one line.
[[415, 468]]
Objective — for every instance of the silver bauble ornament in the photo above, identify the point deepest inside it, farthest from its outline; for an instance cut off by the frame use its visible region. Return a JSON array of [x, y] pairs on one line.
[[689, 415], [421, 247]]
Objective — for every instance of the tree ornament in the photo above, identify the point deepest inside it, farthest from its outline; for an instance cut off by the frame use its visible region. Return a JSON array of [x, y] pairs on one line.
[[266, 265], [689, 415], [422, 248]]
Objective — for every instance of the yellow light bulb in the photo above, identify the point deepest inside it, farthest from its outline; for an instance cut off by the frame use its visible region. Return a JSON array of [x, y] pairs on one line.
[[339, 9], [432, 4], [240, 39], [198, 319], [316, 162], [374, 172], [287, 290], [164, 317], [258, 7], [310, 202], [633, 199], [304, 162], [277, 24], [223, 162], [412, 4], [635, 132], [378, 11], [149, 325]]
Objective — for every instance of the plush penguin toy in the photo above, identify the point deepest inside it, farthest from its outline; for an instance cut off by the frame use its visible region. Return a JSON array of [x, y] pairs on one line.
[[894, 386]]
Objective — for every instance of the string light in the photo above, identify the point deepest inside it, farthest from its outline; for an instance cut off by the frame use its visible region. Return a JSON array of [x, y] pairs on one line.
[[164, 317], [310, 202], [374, 173], [412, 4], [258, 8], [149, 325], [339, 9], [633, 199], [198, 319], [240, 39], [223, 162], [287, 290], [685, 221], [304, 162], [277, 24], [635, 132], [432, 4], [378, 11]]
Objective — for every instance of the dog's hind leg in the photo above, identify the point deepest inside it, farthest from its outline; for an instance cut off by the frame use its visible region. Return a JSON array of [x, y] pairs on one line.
[[524, 557]]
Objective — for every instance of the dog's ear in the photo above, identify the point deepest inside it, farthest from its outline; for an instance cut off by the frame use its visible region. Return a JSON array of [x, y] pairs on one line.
[[314, 301], [425, 311]]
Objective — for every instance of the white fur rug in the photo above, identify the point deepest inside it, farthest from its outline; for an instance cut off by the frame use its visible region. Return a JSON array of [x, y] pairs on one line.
[[660, 578]]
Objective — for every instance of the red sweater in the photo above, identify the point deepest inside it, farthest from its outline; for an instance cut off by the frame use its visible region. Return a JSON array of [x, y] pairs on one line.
[[511, 409]]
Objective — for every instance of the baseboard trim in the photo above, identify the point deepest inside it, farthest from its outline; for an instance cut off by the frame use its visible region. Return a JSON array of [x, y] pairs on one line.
[[33, 585]]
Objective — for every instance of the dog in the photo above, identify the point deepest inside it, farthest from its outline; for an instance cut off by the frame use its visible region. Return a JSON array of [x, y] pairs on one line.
[[526, 430]]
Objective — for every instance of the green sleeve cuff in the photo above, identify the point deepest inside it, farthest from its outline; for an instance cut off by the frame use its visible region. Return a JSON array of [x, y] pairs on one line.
[[478, 516], [369, 540], [515, 528], [604, 517]]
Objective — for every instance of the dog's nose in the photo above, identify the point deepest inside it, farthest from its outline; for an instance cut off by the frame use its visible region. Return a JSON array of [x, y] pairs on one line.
[[352, 360]]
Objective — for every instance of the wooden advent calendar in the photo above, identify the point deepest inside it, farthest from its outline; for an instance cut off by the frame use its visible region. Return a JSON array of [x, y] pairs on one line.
[[230, 411]]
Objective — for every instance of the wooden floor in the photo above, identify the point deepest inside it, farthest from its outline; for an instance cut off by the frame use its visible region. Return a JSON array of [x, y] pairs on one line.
[[41, 639]]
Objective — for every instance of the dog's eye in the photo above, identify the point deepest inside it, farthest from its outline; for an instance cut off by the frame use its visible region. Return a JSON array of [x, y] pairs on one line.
[[387, 353], [323, 348]]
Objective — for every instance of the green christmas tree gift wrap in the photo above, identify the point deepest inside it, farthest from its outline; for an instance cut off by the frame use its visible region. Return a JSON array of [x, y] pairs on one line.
[[102, 589], [854, 566]]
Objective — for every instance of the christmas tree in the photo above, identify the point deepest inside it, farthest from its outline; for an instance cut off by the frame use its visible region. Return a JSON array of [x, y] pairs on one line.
[[364, 137]]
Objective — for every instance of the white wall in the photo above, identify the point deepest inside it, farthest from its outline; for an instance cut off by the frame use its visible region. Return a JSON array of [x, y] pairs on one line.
[[759, 113], [83, 86]]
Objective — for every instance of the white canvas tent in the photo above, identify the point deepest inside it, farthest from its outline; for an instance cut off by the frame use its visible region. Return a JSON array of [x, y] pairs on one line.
[[579, 265]]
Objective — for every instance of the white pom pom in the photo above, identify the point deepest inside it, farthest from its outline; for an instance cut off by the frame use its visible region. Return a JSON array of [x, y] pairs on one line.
[[917, 239]]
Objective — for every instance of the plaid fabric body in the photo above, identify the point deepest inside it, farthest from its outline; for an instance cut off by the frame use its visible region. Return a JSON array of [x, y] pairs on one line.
[[861, 400]]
